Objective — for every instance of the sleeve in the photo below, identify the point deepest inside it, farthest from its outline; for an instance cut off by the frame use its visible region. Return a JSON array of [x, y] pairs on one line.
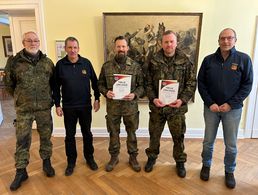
[[94, 83], [9, 78], [202, 84], [149, 84], [190, 83], [56, 86], [51, 79], [245, 86], [102, 83], [139, 91]]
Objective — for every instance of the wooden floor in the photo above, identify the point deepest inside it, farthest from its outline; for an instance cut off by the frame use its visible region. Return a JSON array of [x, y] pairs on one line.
[[122, 180]]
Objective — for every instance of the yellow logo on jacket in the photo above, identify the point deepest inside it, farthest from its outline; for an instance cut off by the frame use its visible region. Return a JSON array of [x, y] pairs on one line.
[[84, 71], [234, 66]]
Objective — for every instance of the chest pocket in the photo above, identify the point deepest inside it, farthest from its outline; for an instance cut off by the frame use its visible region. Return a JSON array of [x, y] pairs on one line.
[[24, 75], [110, 80], [179, 73], [44, 73], [157, 72]]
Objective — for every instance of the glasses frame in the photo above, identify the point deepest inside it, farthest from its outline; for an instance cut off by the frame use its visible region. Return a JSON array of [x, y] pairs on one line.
[[31, 41], [229, 38]]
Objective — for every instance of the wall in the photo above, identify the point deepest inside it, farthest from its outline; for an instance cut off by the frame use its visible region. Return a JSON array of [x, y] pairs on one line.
[[4, 31], [83, 19]]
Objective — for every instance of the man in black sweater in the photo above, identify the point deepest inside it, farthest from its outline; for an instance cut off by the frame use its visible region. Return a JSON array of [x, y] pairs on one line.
[[75, 76]]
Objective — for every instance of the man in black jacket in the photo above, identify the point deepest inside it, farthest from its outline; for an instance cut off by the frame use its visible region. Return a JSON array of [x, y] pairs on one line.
[[75, 75], [224, 81]]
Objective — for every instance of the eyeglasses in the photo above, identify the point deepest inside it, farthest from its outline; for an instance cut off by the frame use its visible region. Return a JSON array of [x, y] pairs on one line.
[[31, 41], [226, 38]]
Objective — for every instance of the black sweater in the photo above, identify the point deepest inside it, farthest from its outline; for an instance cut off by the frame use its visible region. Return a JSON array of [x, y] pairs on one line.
[[75, 80]]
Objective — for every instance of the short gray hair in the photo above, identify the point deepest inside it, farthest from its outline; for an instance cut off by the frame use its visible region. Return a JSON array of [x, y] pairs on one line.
[[29, 32], [231, 30]]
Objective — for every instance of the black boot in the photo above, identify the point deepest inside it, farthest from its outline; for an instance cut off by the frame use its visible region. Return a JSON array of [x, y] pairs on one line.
[[230, 180], [92, 163], [112, 163], [134, 163], [205, 173], [149, 165], [21, 175], [47, 168], [69, 169], [180, 169]]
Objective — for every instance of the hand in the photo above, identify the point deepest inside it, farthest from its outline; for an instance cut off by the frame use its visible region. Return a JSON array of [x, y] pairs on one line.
[[158, 103], [59, 111], [225, 107], [96, 105], [129, 97], [214, 108], [176, 104], [110, 94]]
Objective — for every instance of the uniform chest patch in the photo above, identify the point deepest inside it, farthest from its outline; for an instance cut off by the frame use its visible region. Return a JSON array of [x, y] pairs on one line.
[[234, 66]]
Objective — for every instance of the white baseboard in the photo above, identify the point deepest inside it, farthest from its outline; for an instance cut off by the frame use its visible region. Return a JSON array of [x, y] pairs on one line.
[[255, 134], [143, 132]]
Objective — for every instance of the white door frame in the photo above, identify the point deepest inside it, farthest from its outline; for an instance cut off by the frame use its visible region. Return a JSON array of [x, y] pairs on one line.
[[36, 6], [252, 112]]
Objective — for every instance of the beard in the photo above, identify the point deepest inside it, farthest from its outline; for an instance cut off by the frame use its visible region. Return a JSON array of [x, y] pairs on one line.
[[32, 51], [120, 57]]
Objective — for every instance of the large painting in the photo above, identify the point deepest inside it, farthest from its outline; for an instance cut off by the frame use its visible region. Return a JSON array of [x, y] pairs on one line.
[[144, 32]]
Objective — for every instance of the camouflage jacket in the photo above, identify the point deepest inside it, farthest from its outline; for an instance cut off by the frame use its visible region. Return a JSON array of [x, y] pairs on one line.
[[29, 83], [106, 81], [180, 69]]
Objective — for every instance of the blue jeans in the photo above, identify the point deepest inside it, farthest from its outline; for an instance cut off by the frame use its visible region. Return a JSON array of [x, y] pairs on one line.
[[230, 122]]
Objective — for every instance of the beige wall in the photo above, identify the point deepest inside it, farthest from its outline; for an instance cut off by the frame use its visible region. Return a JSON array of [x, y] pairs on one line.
[[4, 31], [83, 19]]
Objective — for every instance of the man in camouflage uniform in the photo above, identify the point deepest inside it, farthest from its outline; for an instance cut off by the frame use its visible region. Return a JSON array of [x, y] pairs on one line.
[[126, 108], [169, 64], [28, 79]]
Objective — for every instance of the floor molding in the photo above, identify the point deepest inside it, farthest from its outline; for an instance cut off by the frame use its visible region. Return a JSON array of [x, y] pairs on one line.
[[143, 132]]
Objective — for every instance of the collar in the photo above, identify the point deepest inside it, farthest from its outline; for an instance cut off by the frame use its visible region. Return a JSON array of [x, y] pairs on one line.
[[178, 58], [127, 61], [231, 51], [25, 56], [67, 61]]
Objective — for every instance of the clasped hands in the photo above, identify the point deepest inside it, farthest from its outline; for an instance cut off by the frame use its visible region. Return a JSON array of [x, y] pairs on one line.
[[128, 97], [222, 108], [175, 104], [96, 106]]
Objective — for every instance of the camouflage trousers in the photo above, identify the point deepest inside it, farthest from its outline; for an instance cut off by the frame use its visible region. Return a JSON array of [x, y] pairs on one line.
[[23, 135], [131, 123], [177, 128]]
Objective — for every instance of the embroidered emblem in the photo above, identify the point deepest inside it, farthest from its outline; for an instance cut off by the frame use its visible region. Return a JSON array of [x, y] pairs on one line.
[[84, 71], [234, 66]]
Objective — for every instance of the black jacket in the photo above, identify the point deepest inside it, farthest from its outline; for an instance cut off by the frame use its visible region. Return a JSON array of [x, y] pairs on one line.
[[75, 81], [228, 81]]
